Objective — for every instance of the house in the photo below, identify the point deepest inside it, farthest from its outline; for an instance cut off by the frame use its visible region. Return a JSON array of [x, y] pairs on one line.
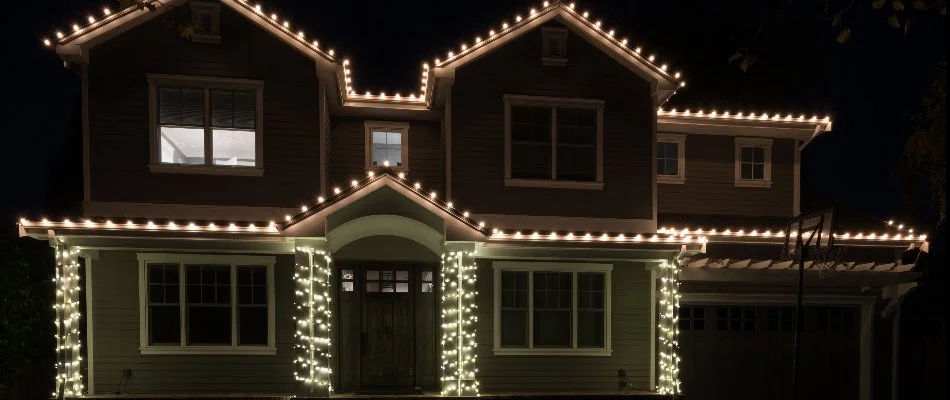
[[532, 219]]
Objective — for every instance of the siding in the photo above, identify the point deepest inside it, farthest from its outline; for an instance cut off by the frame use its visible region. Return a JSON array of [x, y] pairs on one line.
[[710, 181], [478, 130], [347, 153], [116, 334], [119, 114], [630, 336]]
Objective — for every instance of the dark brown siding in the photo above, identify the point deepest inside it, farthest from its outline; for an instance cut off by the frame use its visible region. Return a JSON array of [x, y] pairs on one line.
[[119, 114], [710, 181], [347, 153], [478, 130]]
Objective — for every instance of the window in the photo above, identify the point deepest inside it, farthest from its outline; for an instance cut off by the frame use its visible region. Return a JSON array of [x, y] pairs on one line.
[[206, 125], [671, 158], [735, 319], [387, 281], [199, 304], [387, 145], [554, 46], [553, 142], [205, 18], [692, 318], [552, 308], [780, 319], [347, 280], [427, 283], [753, 162]]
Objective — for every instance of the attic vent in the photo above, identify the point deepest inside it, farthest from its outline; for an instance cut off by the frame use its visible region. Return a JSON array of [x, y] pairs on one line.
[[554, 46], [205, 17]]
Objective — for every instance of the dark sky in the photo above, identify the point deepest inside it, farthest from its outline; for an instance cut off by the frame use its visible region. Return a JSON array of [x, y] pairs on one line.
[[870, 86]]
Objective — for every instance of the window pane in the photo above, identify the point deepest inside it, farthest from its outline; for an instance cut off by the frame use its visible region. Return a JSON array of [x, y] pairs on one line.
[[661, 167], [209, 325], [232, 109], [576, 144], [552, 328], [234, 147], [758, 155], [746, 170], [531, 142], [164, 325], [372, 275], [758, 171], [514, 328], [252, 285], [252, 325], [182, 145], [590, 329], [181, 106], [746, 155], [387, 147]]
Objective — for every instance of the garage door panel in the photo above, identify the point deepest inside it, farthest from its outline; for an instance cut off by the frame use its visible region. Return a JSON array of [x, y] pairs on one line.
[[732, 352]]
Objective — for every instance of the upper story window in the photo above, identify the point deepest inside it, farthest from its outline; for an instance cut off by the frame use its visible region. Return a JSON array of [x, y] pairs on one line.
[[753, 162], [206, 125], [553, 142], [206, 304], [554, 46], [671, 158], [552, 308], [387, 144], [205, 18]]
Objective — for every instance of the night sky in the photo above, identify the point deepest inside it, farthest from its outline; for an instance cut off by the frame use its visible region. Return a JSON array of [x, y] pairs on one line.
[[870, 87]]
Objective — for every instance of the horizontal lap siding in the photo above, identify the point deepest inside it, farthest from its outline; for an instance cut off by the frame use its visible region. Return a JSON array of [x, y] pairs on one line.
[[347, 153], [710, 181], [119, 114], [115, 286], [630, 338], [478, 159]]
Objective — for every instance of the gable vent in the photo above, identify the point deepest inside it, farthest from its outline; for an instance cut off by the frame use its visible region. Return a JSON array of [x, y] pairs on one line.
[[206, 19], [554, 46]]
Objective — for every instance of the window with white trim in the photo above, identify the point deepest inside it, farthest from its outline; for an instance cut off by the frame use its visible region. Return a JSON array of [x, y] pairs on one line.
[[206, 304], [671, 158], [387, 145], [205, 125], [753, 162], [552, 308], [553, 142]]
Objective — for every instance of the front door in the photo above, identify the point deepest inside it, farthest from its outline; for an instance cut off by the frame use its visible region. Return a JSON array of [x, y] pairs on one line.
[[387, 334]]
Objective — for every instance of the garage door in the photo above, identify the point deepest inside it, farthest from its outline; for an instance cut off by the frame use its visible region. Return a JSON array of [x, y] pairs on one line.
[[730, 352]]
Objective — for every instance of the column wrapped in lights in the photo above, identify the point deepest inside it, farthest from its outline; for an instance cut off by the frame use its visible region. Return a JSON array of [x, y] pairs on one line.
[[669, 327], [312, 321], [458, 323], [66, 307]]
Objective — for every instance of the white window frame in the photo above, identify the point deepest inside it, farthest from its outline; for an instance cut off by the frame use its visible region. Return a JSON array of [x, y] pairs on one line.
[[549, 33], [214, 10], [574, 268], [680, 140], [207, 83], [554, 102], [765, 143], [401, 127], [181, 259]]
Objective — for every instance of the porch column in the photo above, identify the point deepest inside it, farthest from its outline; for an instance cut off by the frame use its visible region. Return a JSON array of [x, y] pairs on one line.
[[669, 302], [459, 294], [312, 306], [66, 306]]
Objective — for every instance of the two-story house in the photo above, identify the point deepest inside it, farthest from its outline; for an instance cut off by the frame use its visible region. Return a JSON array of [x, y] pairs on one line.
[[532, 219]]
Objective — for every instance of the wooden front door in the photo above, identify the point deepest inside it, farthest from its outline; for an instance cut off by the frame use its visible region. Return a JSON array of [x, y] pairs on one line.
[[387, 335]]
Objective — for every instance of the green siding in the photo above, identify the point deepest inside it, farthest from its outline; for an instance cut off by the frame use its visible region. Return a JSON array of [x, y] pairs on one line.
[[630, 341], [115, 285]]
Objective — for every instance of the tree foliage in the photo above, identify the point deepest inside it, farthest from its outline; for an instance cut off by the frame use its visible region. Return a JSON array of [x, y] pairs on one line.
[[926, 149]]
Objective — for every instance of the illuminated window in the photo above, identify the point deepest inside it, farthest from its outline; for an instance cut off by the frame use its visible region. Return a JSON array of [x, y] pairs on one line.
[[545, 308], [553, 142], [427, 284], [670, 158], [387, 145], [206, 122], [753, 162], [347, 278], [212, 304]]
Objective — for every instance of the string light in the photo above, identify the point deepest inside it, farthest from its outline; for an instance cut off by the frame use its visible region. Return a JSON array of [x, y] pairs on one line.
[[668, 327], [741, 116], [312, 322], [459, 316], [67, 319]]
